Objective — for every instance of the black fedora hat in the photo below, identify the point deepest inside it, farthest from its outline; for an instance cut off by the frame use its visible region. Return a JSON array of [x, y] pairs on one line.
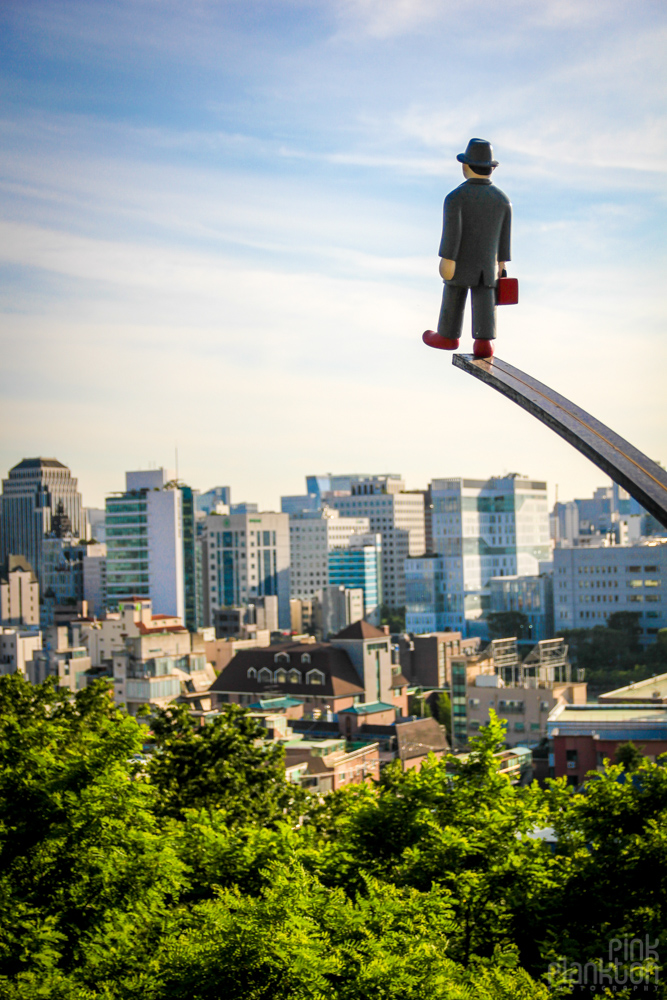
[[479, 153]]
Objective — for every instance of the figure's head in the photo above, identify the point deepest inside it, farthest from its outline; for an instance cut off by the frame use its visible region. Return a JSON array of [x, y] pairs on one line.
[[478, 159]]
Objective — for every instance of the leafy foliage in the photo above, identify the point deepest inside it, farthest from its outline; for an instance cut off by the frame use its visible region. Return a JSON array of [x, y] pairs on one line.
[[611, 655], [441, 710], [508, 623], [393, 617], [226, 765], [203, 876]]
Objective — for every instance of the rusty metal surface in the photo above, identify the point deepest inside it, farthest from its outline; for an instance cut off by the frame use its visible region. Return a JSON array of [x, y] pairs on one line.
[[635, 472]]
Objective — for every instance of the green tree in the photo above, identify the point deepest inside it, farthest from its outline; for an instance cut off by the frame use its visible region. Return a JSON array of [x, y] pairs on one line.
[[431, 883], [393, 617], [441, 710], [504, 624], [81, 851], [416, 703], [627, 622], [227, 764], [628, 756]]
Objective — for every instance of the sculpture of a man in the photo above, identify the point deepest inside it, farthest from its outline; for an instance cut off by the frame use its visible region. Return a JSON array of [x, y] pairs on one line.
[[474, 249]]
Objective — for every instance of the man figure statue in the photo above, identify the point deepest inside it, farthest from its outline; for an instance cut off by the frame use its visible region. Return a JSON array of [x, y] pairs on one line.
[[474, 249]]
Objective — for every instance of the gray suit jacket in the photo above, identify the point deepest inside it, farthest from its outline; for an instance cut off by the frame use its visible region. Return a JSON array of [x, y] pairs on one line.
[[476, 231]]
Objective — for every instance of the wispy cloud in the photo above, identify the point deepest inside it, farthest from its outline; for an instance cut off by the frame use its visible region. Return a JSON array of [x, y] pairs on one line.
[[220, 225]]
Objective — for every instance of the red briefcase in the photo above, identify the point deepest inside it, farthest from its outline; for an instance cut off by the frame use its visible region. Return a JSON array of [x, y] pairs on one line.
[[507, 290]]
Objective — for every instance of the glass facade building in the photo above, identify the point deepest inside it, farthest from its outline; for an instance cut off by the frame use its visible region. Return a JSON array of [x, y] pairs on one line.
[[359, 566], [127, 548], [481, 529], [146, 553], [37, 491]]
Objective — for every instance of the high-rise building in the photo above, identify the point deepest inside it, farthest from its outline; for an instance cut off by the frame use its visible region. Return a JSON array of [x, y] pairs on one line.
[[591, 582], [144, 529], [192, 560], [359, 566], [398, 516], [344, 482], [95, 579], [481, 529], [313, 536], [246, 556], [37, 491], [96, 524], [207, 502], [19, 593], [336, 608], [610, 512], [531, 596]]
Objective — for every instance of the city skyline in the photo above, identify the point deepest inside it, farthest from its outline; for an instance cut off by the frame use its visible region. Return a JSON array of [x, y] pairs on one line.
[[220, 226], [300, 489]]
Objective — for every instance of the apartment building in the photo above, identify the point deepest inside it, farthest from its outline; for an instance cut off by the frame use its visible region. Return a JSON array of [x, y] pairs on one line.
[[592, 582], [245, 556]]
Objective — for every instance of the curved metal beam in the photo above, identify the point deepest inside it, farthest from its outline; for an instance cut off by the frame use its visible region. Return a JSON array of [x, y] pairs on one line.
[[643, 479]]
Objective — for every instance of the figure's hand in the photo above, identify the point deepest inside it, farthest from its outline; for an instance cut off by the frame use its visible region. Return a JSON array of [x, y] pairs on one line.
[[447, 268], [501, 267]]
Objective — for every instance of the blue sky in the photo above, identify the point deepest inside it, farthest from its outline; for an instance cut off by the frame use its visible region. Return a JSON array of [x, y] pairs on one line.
[[219, 226]]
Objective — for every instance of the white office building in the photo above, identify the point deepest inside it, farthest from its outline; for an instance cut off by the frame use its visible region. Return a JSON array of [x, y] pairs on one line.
[[17, 649], [246, 556], [95, 578], [144, 531], [592, 582], [313, 535], [398, 516], [481, 529]]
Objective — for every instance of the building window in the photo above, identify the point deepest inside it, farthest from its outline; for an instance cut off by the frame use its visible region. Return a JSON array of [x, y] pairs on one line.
[[281, 658], [305, 657], [265, 676], [314, 677], [280, 676], [294, 676], [252, 674]]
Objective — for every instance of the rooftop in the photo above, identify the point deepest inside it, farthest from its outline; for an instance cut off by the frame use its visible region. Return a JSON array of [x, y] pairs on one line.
[[368, 709], [39, 463], [361, 630], [272, 704], [609, 722], [15, 563], [340, 677], [609, 713], [650, 690], [417, 737]]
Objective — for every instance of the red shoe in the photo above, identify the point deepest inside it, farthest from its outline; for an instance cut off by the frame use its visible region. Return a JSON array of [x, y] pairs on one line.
[[433, 339], [482, 348]]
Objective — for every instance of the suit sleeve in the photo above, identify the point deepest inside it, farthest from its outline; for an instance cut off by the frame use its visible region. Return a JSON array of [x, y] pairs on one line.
[[451, 229], [504, 243]]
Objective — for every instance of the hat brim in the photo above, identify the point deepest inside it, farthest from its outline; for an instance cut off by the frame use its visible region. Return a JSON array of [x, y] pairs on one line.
[[462, 158]]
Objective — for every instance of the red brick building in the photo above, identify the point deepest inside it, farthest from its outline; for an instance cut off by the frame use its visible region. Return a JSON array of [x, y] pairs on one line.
[[584, 735]]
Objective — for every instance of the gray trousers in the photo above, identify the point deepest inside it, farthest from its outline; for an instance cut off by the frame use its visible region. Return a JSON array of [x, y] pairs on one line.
[[483, 301]]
